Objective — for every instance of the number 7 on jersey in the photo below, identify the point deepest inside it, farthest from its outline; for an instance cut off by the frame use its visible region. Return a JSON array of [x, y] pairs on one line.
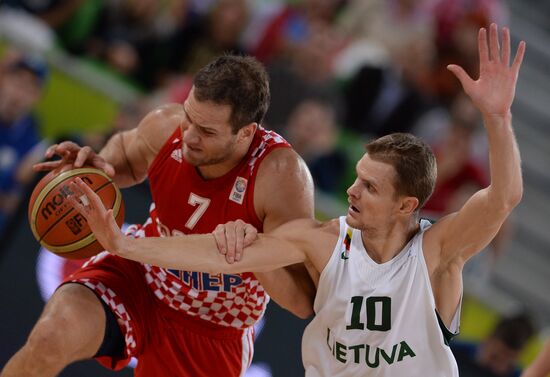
[[201, 204]]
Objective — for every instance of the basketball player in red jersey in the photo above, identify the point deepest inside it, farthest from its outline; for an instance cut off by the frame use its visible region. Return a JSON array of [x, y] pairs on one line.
[[208, 162]]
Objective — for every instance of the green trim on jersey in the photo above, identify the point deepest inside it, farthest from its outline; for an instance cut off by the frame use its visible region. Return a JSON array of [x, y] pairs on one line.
[[447, 335]]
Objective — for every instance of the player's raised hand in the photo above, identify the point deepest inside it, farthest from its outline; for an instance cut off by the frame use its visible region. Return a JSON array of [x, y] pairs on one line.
[[101, 221], [232, 237], [493, 92], [73, 154]]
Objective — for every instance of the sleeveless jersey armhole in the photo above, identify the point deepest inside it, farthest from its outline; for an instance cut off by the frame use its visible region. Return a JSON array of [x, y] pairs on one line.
[[447, 334], [163, 150], [252, 179], [331, 263]]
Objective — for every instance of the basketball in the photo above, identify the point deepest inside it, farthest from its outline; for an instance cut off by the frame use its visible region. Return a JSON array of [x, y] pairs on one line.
[[58, 226]]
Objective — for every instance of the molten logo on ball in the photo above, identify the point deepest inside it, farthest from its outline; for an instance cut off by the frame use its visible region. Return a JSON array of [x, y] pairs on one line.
[[57, 201], [56, 224]]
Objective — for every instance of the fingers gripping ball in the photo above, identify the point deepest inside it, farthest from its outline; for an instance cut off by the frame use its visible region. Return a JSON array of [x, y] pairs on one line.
[[56, 224]]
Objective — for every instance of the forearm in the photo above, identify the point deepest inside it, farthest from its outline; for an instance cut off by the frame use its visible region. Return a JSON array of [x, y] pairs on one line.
[[114, 152], [506, 180], [291, 288], [200, 253]]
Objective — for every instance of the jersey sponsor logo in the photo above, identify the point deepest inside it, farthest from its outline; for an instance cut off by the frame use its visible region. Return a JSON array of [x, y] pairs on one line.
[[238, 191], [177, 155], [347, 245], [372, 356], [203, 281]]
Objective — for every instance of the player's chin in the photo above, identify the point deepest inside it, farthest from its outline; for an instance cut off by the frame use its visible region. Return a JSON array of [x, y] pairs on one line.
[[354, 223], [193, 158]]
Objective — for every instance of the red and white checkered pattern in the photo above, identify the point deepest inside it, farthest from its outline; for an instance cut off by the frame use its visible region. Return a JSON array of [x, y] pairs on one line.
[[240, 308], [116, 305]]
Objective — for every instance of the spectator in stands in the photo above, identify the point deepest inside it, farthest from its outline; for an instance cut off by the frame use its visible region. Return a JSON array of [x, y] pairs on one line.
[[457, 24], [498, 354], [138, 38], [294, 24], [55, 13], [220, 33], [393, 25], [21, 85], [313, 132], [459, 174]]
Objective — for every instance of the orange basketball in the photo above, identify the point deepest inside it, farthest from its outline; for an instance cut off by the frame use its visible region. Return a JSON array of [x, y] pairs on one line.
[[56, 224]]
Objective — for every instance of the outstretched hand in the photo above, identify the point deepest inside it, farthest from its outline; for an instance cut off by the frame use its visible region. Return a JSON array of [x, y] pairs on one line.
[[100, 220], [493, 92], [73, 154]]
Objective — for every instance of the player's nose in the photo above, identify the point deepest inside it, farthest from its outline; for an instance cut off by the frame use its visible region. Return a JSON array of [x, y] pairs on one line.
[[190, 135], [352, 190]]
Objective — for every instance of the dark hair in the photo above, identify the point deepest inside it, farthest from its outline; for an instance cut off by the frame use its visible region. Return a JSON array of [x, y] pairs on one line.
[[413, 161], [514, 331], [238, 81], [33, 65]]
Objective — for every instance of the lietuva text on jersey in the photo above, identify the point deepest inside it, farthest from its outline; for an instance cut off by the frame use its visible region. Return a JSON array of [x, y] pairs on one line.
[[368, 354]]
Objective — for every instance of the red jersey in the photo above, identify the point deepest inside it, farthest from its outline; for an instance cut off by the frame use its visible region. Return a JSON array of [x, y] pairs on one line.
[[185, 203]]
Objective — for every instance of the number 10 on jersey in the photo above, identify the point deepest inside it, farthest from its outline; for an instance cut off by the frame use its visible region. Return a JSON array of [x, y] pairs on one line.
[[378, 313]]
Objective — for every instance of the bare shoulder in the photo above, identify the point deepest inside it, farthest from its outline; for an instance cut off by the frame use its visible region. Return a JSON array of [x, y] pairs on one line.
[[297, 226], [283, 161], [331, 227], [283, 177], [157, 126], [316, 239], [308, 231]]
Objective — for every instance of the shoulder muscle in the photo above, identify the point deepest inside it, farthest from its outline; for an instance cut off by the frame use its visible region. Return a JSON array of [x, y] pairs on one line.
[[283, 177], [157, 126]]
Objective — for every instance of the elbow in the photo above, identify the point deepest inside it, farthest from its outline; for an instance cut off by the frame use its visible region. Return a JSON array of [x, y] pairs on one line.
[[518, 196], [506, 200], [514, 199]]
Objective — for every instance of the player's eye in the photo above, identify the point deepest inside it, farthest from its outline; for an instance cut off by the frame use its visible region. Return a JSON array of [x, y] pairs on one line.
[[207, 131]]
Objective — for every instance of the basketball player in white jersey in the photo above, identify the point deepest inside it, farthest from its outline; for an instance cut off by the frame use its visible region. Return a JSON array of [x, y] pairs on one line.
[[390, 286]]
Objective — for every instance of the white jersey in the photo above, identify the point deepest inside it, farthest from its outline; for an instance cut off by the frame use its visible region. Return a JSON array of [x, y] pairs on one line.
[[377, 319]]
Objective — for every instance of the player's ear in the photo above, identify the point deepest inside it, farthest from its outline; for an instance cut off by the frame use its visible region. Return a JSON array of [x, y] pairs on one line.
[[409, 204], [248, 131]]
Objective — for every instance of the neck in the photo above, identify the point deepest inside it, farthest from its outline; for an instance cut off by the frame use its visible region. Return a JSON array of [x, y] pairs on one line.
[[384, 243]]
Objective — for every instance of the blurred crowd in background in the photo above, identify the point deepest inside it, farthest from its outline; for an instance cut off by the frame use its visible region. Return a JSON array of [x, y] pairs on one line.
[[342, 72]]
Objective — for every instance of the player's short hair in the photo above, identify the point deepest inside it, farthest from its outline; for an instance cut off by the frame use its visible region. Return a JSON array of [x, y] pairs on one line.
[[514, 331], [238, 81], [413, 161]]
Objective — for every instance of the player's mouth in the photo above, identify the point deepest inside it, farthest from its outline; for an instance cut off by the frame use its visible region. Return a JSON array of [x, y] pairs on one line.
[[352, 208], [193, 149]]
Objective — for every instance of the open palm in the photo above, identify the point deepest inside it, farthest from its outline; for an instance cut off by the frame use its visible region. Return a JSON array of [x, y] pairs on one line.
[[493, 92]]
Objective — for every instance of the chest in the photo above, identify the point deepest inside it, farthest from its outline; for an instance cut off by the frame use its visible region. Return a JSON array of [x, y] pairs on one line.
[[185, 203]]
